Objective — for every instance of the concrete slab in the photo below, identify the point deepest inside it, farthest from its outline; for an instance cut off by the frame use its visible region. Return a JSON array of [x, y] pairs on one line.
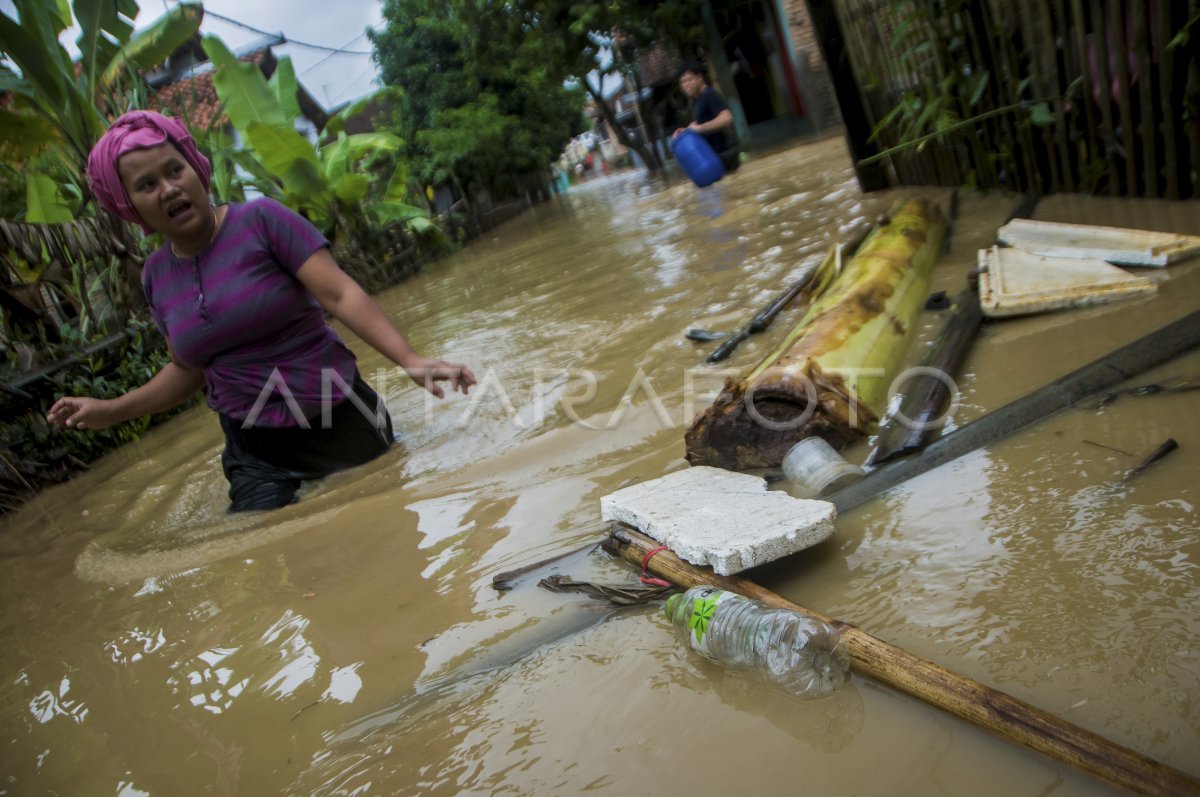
[[730, 521]]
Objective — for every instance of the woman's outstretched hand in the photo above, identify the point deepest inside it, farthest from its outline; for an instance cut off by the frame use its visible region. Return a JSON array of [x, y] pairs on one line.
[[427, 372], [82, 412]]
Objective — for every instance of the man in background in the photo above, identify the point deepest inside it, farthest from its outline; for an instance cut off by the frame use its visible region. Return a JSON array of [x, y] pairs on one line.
[[711, 115]]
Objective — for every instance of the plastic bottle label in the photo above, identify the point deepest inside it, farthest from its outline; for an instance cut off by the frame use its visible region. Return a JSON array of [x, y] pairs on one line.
[[704, 606]]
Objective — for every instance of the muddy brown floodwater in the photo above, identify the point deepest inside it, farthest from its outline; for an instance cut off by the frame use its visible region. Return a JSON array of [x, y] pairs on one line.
[[352, 644]]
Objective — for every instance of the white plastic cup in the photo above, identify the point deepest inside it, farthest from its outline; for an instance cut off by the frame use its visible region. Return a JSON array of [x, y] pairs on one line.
[[816, 468]]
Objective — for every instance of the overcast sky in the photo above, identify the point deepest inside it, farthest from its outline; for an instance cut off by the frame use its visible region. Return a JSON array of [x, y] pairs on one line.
[[331, 78]]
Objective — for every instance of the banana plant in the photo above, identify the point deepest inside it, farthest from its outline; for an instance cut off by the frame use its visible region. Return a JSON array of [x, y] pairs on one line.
[[59, 107], [325, 182]]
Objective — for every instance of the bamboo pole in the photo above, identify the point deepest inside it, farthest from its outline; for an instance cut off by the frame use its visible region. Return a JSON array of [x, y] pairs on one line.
[[1057, 88], [990, 709], [1166, 83], [1192, 90], [1100, 34], [981, 60], [1035, 181], [997, 97], [1031, 39], [1117, 21], [1092, 148], [1147, 129]]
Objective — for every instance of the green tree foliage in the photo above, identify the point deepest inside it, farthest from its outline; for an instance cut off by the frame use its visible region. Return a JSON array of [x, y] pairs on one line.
[[598, 44], [480, 101]]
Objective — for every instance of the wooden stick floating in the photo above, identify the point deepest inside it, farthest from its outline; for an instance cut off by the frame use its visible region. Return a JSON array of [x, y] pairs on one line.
[[988, 708], [1167, 447]]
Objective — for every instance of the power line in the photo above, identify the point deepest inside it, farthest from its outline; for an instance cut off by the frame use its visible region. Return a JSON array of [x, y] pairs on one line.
[[352, 83], [331, 50], [331, 55]]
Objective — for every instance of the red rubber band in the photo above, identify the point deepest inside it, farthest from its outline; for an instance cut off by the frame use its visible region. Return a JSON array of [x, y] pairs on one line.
[[646, 578]]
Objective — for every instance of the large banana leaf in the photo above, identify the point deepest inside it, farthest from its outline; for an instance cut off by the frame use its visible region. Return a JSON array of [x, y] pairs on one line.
[[339, 157], [64, 14], [278, 147], [422, 225], [283, 85], [350, 189], [151, 46], [260, 178], [47, 82], [363, 143], [105, 26], [44, 201], [335, 158], [243, 91], [397, 187], [390, 212], [32, 44]]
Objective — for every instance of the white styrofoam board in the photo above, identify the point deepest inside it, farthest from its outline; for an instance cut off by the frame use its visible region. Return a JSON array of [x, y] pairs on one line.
[[1015, 282], [1127, 247], [730, 521]]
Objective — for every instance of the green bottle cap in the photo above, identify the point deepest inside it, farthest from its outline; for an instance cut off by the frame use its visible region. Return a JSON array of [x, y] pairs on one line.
[[672, 603]]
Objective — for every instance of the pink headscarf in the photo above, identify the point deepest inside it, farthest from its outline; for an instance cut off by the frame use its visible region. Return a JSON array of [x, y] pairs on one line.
[[133, 131]]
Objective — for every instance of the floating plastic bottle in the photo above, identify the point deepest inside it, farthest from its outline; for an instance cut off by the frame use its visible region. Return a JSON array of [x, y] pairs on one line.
[[804, 656], [697, 158]]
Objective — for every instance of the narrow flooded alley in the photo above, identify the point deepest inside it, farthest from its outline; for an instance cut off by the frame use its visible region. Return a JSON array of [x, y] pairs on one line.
[[353, 644]]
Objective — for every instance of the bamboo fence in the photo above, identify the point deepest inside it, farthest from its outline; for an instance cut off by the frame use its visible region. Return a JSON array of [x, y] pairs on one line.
[[1092, 96]]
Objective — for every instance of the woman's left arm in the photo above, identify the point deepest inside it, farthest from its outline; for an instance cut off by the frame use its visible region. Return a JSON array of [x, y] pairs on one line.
[[344, 299]]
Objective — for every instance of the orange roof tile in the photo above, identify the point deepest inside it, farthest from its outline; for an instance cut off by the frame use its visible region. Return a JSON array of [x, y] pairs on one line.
[[194, 99]]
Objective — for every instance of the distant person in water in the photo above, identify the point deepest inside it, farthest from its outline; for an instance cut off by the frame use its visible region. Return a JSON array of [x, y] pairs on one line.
[[238, 291], [711, 116]]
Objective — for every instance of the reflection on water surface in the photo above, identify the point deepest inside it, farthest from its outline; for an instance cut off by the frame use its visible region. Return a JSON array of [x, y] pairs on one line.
[[352, 643]]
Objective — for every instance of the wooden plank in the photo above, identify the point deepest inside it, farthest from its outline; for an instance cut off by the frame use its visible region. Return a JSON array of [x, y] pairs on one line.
[[990, 709]]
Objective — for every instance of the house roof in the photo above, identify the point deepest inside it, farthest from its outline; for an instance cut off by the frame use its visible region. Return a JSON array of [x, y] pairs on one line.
[[659, 66], [364, 120], [194, 98]]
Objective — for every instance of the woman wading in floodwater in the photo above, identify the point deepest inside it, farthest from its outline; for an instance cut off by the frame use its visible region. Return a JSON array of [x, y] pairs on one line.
[[238, 292]]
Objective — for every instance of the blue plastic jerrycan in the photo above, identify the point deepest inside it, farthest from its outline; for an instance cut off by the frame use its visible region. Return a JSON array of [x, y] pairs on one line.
[[697, 158]]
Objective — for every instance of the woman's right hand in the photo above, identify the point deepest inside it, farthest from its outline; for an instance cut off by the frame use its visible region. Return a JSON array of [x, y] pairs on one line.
[[82, 412]]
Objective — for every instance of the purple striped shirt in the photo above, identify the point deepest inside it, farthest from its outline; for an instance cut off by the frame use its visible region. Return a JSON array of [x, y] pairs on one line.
[[238, 311]]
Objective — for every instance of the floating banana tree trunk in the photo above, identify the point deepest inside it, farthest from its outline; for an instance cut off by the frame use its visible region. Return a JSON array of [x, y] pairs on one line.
[[831, 375]]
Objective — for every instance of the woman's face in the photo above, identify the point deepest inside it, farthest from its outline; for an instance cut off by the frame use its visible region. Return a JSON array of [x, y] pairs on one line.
[[167, 193]]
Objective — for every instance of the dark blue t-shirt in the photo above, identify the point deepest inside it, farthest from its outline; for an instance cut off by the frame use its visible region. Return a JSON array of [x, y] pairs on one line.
[[708, 106]]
